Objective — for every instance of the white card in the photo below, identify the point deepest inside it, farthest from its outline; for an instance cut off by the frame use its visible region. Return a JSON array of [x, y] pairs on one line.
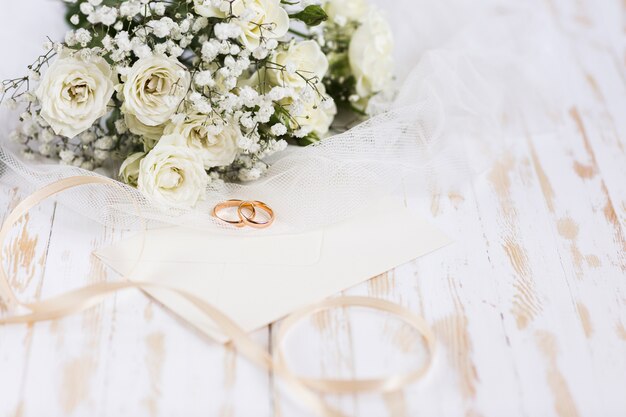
[[258, 280]]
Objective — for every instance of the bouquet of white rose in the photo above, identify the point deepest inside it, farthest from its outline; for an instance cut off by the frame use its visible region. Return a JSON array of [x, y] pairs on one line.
[[179, 94], [197, 102]]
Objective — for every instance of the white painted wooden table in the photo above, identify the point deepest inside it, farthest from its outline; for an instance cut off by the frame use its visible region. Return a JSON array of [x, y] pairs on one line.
[[529, 305]]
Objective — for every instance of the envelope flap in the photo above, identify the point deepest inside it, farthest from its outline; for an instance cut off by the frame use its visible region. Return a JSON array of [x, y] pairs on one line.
[[256, 281], [175, 244]]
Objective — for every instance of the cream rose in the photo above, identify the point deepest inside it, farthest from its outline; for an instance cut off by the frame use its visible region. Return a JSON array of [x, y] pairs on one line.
[[172, 175], [213, 140], [257, 18], [154, 88], [370, 54], [129, 171], [267, 20], [341, 11], [74, 93], [302, 64]]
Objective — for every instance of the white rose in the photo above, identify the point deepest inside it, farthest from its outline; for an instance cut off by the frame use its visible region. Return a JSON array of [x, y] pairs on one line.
[[341, 10], [129, 171], [260, 19], [308, 61], [149, 134], [213, 140], [315, 116], [371, 50], [74, 93], [172, 175], [154, 88]]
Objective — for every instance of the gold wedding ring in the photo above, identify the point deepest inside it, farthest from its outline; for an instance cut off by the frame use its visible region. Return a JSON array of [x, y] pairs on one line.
[[249, 219], [240, 204], [246, 212]]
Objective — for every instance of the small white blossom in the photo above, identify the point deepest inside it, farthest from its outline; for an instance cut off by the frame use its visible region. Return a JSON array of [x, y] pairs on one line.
[[82, 36], [248, 96], [209, 51], [70, 38], [86, 8], [105, 143], [225, 31], [142, 51], [163, 27], [87, 137], [279, 129], [34, 75], [88, 165], [120, 126], [250, 174], [260, 53], [16, 137], [176, 51], [271, 44], [199, 24], [66, 155], [278, 93], [28, 154], [107, 43], [45, 149], [204, 79], [46, 136], [130, 8], [160, 48], [159, 9], [247, 121], [101, 155]]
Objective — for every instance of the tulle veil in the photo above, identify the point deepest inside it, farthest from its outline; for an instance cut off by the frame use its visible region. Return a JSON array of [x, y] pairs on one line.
[[461, 69]]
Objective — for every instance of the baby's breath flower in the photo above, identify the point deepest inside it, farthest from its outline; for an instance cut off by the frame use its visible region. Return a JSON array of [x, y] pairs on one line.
[[66, 155], [204, 79], [86, 8], [130, 8], [45, 149], [159, 9], [209, 51], [279, 129], [82, 36]]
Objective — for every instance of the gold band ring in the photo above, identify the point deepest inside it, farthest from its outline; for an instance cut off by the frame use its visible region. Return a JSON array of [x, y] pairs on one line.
[[241, 205], [249, 220]]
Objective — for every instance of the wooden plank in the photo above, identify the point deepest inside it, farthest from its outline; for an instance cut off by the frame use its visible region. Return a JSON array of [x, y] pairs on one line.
[[26, 251]]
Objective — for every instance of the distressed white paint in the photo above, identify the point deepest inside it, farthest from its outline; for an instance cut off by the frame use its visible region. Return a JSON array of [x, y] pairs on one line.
[[529, 304]]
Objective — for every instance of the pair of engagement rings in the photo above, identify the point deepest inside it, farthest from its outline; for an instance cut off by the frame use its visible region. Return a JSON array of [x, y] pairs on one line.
[[246, 213]]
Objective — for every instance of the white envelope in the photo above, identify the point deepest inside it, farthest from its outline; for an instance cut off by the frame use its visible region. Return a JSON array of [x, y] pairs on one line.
[[258, 280]]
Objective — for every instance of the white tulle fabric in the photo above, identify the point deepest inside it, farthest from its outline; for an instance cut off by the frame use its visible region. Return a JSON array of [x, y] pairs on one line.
[[462, 69]]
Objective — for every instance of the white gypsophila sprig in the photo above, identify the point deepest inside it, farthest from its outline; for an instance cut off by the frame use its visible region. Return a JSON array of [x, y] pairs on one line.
[[245, 69]]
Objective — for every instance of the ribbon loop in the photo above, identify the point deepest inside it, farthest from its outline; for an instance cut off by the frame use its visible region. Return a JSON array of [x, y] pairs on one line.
[[81, 299]]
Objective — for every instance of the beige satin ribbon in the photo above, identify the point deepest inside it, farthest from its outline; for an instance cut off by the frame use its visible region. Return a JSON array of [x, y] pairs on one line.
[[306, 389]]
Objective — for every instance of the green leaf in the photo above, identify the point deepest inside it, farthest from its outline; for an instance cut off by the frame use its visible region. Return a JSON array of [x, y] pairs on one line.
[[312, 15], [308, 140]]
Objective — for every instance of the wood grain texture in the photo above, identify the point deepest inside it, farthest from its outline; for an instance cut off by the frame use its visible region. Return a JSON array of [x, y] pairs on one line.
[[529, 304]]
